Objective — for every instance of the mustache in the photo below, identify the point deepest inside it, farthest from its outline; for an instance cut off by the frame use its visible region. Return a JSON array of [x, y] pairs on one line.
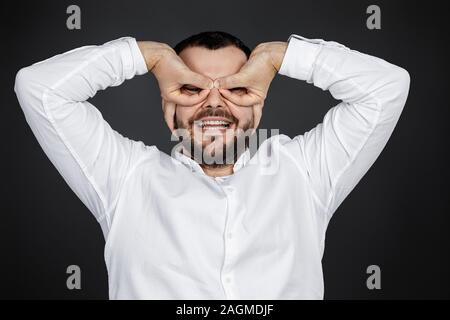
[[212, 112]]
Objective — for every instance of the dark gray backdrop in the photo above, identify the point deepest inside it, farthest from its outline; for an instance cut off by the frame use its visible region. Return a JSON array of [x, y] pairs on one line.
[[397, 217]]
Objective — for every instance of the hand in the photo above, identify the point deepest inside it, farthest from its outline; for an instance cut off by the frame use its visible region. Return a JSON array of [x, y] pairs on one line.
[[255, 76], [172, 75]]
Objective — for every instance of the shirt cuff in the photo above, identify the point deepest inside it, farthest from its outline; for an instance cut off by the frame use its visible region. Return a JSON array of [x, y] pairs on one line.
[[132, 59], [300, 56], [138, 58]]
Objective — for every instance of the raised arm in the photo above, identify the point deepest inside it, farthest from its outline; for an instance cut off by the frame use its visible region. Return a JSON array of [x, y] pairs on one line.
[[92, 158], [338, 152], [334, 155]]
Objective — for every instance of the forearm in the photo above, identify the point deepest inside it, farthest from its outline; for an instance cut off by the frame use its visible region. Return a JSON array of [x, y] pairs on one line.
[[78, 74], [349, 75]]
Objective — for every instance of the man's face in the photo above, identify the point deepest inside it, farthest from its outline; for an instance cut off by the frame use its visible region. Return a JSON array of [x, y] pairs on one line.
[[216, 123]]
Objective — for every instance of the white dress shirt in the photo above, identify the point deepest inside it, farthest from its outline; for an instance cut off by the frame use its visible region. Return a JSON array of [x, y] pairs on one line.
[[173, 232]]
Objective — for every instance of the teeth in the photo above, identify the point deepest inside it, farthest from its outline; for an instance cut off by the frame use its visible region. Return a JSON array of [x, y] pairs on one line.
[[205, 123]]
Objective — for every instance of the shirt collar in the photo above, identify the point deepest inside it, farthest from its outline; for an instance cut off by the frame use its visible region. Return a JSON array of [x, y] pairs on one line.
[[195, 167]]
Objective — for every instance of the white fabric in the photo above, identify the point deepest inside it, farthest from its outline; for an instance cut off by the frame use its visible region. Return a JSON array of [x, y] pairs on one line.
[[174, 233]]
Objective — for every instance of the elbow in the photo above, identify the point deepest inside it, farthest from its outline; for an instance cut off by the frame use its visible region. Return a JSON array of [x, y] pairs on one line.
[[403, 79], [23, 81], [29, 91], [396, 85], [28, 88], [400, 80]]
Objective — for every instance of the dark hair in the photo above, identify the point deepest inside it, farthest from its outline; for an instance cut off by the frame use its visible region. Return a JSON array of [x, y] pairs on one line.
[[212, 40]]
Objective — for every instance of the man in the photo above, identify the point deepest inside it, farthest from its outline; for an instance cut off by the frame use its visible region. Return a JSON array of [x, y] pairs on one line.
[[179, 227]]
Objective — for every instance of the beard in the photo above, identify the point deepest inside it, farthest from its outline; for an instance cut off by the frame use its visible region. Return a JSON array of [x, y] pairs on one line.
[[219, 149]]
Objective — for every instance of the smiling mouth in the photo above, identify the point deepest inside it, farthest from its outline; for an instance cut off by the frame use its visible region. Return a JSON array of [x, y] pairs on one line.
[[213, 124]]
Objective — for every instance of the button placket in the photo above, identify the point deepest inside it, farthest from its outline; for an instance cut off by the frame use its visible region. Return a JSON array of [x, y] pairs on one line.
[[227, 272]]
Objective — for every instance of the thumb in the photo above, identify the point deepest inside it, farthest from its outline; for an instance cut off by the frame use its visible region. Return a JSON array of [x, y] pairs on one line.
[[234, 81], [198, 80]]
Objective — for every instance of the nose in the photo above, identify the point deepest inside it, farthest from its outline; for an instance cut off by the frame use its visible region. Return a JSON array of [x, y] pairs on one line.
[[214, 99]]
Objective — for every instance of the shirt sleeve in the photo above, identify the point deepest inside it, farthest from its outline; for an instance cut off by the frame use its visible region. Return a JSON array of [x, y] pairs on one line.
[[336, 154], [91, 157]]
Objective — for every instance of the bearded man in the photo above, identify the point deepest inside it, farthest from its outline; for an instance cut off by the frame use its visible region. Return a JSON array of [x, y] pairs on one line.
[[217, 225]]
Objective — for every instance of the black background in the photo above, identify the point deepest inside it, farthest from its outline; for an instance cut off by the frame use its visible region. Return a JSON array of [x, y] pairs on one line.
[[397, 217]]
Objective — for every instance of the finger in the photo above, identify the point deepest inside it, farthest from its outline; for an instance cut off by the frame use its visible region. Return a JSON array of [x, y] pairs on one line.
[[242, 100], [234, 81], [197, 80], [169, 114], [187, 99]]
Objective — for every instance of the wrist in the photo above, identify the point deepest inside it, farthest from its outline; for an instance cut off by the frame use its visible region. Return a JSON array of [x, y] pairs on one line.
[[153, 52], [273, 52], [277, 52]]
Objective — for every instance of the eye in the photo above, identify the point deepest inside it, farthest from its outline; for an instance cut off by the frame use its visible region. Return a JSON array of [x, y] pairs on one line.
[[239, 91], [190, 89]]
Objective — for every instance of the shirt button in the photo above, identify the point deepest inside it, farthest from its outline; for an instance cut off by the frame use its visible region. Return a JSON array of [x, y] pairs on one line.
[[230, 235], [228, 280], [229, 188]]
